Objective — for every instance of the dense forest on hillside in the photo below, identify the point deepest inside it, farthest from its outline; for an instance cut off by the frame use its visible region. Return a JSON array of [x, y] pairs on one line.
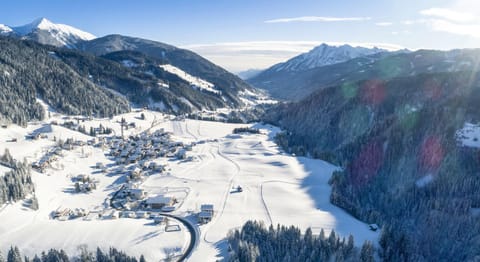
[[229, 84], [404, 168], [28, 71], [140, 79], [54, 255], [255, 242]]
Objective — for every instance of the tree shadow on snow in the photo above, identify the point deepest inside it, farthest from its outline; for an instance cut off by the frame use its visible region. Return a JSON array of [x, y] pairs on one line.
[[222, 247]]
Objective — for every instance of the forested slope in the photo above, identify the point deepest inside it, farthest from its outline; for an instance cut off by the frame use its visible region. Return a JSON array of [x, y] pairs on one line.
[[404, 166]]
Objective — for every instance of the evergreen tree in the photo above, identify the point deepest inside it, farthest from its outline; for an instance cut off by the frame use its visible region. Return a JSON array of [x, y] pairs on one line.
[[367, 252], [7, 158], [14, 255]]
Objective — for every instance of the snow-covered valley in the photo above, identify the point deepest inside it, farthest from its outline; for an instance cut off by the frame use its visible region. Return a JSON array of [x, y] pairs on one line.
[[277, 188]]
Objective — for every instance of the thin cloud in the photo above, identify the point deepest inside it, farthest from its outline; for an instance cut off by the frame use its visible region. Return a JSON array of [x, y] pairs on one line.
[[472, 30], [457, 19], [448, 14], [317, 19], [384, 24], [409, 22]]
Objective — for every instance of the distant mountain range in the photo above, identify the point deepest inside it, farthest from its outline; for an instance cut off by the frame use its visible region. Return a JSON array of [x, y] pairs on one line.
[[282, 80], [249, 73], [146, 73], [289, 85], [322, 55]]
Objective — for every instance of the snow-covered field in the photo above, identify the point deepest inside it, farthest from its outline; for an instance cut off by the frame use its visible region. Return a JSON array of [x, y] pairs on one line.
[[194, 81], [277, 188], [469, 135]]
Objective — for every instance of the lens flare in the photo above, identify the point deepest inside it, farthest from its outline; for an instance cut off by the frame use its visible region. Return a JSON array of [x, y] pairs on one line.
[[349, 90], [408, 116], [367, 164], [432, 89], [373, 92], [431, 154]]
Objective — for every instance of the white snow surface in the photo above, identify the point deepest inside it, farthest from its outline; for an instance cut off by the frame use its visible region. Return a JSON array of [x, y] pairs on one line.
[[277, 188], [129, 63], [194, 81], [4, 29], [65, 34], [469, 135]]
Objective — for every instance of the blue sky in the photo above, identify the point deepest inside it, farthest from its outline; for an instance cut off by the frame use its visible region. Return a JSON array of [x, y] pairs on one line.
[[255, 34]]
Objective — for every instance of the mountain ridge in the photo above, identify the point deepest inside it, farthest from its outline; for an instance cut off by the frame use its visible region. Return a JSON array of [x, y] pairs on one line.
[[44, 31], [323, 55]]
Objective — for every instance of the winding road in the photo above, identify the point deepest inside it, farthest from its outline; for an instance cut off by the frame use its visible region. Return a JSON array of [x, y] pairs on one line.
[[194, 235]]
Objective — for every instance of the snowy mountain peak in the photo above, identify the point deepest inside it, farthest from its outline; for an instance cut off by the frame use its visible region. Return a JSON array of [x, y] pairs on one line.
[[323, 55], [46, 32], [4, 30], [42, 23]]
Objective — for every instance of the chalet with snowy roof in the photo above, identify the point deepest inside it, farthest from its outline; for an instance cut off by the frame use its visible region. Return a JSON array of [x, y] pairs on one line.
[[137, 193], [159, 201]]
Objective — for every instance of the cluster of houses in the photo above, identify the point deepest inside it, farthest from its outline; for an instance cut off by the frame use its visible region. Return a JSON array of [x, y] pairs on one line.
[[131, 197], [45, 162], [147, 146], [53, 154], [64, 214], [67, 213]]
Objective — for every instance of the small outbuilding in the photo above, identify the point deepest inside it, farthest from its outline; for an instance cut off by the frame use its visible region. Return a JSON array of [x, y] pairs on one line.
[[160, 220], [206, 213]]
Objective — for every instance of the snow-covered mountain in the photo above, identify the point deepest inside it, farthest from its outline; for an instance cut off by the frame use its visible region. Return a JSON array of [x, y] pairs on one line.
[[5, 30], [46, 32], [249, 73], [297, 77], [323, 55]]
